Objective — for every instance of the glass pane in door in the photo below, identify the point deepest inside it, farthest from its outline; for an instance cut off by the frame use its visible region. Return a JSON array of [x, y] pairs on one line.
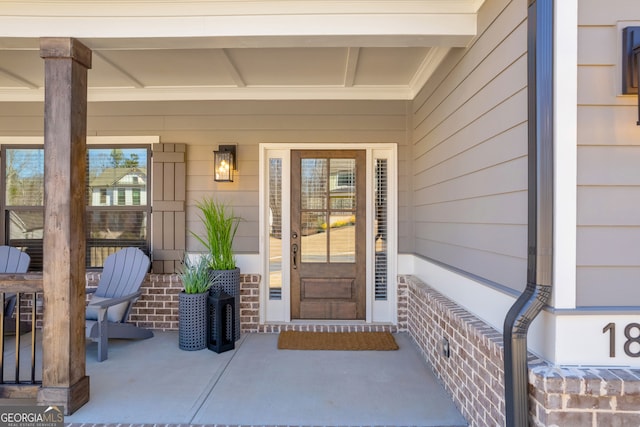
[[342, 218], [328, 206], [314, 238]]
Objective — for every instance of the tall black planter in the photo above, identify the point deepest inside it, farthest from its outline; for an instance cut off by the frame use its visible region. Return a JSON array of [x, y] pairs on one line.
[[192, 321], [229, 282]]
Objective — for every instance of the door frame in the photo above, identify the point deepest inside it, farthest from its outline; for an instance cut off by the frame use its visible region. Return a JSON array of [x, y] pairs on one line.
[[279, 311]]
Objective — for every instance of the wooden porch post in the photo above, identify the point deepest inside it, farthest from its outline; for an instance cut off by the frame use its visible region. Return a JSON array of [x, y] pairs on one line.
[[64, 380]]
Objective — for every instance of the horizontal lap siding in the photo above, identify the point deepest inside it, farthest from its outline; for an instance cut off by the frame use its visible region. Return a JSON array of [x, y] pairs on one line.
[[470, 151], [202, 126], [608, 263], [282, 122]]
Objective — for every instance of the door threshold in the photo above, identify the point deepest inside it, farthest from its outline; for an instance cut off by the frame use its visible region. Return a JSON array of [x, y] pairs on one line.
[[327, 322], [327, 326]]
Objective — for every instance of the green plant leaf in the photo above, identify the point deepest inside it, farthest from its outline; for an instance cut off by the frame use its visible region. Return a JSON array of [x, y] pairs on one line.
[[195, 275], [220, 226]]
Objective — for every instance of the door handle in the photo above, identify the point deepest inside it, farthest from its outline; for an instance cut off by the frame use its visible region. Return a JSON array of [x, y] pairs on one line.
[[294, 254]]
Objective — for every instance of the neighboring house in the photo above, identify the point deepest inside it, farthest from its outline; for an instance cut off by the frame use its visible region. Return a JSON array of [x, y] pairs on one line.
[[426, 103], [25, 225], [120, 186]]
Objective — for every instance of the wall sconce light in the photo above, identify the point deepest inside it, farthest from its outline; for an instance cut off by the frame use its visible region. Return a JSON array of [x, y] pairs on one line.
[[636, 55], [224, 163], [631, 62]]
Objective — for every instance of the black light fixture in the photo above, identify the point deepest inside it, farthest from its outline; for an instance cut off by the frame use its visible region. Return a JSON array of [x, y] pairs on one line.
[[224, 163], [631, 62], [636, 56]]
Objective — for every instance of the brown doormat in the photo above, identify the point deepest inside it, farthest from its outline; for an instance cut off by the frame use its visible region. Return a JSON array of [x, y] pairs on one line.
[[296, 340]]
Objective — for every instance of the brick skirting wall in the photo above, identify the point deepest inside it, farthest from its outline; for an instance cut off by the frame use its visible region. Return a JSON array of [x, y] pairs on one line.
[[473, 374], [584, 397], [157, 308]]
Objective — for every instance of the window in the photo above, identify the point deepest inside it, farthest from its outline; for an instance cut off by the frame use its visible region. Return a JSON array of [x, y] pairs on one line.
[[381, 227], [275, 229], [118, 207], [135, 194], [122, 197]]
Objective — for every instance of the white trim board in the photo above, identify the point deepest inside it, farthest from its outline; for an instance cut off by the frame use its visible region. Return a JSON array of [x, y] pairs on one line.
[[107, 140]]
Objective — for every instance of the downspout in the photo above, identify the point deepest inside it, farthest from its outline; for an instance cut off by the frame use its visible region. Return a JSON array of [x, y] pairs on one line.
[[540, 212]]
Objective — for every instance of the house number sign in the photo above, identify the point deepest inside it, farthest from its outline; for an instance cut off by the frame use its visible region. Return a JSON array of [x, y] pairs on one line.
[[632, 335]]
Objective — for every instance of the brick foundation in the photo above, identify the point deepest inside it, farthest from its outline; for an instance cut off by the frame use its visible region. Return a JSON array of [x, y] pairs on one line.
[[473, 374], [157, 308], [584, 397]]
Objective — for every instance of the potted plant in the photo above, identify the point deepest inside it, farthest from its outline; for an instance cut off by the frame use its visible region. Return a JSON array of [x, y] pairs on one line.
[[192, 303], [221, 225]]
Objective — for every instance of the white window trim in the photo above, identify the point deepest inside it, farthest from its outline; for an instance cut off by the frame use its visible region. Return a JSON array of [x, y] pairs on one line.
[[105, 140]]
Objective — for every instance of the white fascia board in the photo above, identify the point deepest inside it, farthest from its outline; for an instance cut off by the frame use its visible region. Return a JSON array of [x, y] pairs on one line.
[[91, 139], [122, 8], [214, 93], [249, 93], [232, 31], [324, 40]]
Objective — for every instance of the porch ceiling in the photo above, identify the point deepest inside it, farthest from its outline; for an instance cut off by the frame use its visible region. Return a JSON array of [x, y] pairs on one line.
[[240, 49]]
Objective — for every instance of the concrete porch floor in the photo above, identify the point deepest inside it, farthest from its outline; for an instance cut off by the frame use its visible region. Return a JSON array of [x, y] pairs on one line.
[[154, 382]]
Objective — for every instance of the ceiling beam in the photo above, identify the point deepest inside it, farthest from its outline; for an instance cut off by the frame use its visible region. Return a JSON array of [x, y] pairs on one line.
[[20, 80], [135, 82], [223, 56], [351, 66]]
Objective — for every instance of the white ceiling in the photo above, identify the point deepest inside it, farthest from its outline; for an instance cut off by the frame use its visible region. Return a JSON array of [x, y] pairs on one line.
[[238, 49]]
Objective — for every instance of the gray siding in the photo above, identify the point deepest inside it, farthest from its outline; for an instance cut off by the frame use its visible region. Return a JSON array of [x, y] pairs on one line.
[[202, 126], [608, 263], [470, 151]]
